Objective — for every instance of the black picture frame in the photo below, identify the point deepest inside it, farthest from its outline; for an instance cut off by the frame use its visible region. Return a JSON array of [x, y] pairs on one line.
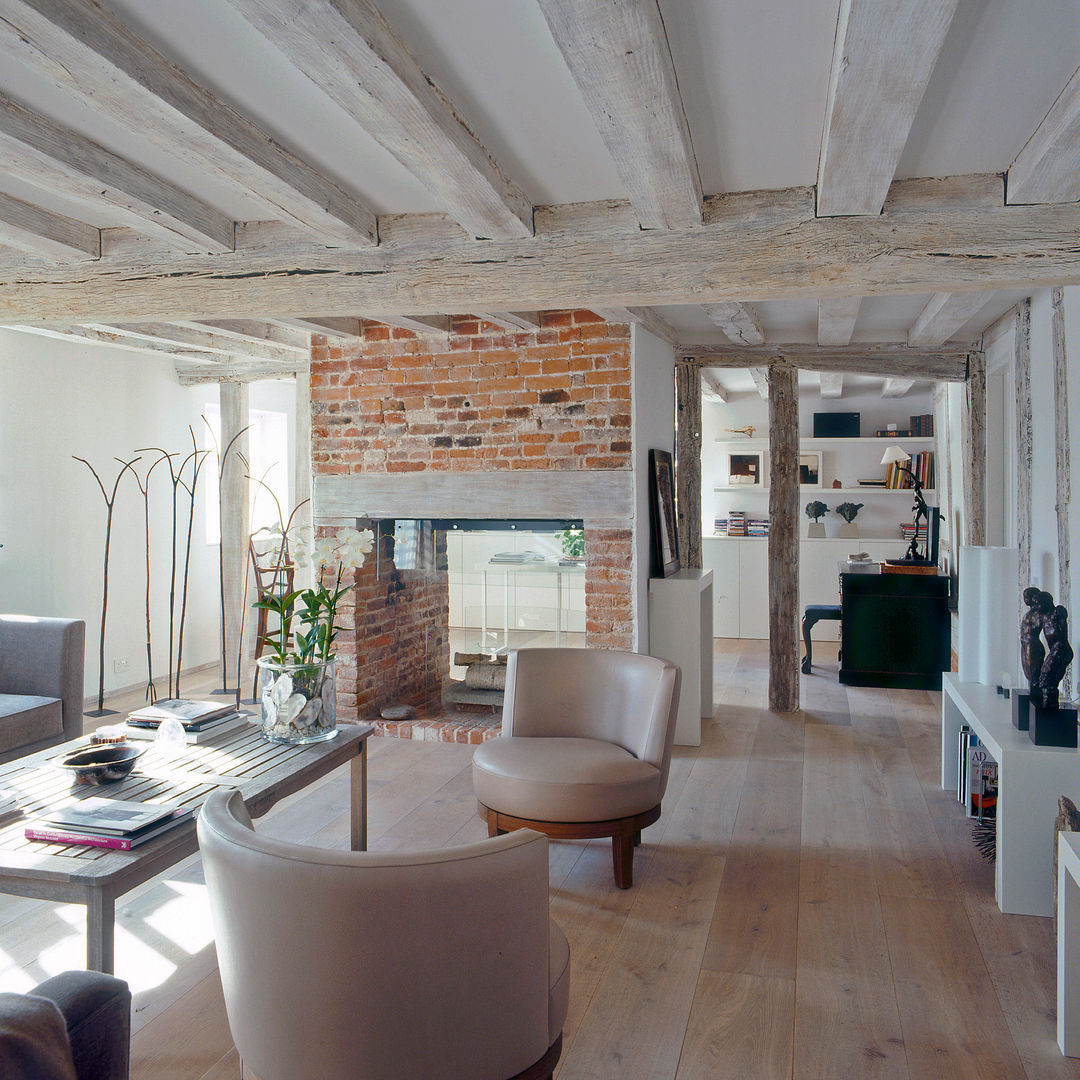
[[665, 528]]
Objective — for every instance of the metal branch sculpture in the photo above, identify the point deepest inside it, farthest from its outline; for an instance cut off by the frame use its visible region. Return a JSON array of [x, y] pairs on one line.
[[144, 487], [197, 457], [110, 503]]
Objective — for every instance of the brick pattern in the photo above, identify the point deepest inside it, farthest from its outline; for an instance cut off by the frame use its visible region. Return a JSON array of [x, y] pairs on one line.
[[477, 399]]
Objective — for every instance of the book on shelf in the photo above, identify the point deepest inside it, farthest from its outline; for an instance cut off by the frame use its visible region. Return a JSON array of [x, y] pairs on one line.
[[193, 733], [186, 710], [894, 433], [922, 425], [65, 834]]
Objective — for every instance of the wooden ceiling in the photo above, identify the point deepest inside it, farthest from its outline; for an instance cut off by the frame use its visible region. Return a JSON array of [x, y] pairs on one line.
[[217, 180]]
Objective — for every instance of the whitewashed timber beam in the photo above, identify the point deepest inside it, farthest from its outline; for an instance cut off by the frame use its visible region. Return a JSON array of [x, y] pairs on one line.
[[418, 324], [85, 50], [739, 322], [831, 384], [511, 320], [896, 387], [711, 390], [1024, 441], [646, 317], [944, 314], [342, 328], [1047, 169], [621, 61], [948, 364], [882, 60], [350, 52], [40, 232], [303, 470], [252, 371], [234, 503], [256, 331], [94, 336], [928, 239], [836, 319], [760, 376], [41, 152], [203, 339]]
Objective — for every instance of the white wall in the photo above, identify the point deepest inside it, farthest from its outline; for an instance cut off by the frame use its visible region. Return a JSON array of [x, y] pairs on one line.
[[59, 399], [652, 387]]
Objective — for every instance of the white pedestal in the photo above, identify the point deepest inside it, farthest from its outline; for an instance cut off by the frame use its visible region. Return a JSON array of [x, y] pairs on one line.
[[680, 630], [1068, 944], [988, 646]]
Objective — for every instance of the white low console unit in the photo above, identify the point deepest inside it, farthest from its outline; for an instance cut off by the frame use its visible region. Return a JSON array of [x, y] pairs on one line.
[[1030, 779]]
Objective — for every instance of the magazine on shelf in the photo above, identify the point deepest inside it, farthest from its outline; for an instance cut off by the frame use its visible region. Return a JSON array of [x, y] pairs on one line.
[[186, 710], [60, 834], [193, 733], [112, 817]]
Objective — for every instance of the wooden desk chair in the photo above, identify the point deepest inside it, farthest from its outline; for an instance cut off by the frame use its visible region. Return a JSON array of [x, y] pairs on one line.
[[274, 571]]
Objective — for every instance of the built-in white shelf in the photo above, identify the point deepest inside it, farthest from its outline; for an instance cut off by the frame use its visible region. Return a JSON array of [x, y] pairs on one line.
[[825, 491], [845, 540], [812, 443]]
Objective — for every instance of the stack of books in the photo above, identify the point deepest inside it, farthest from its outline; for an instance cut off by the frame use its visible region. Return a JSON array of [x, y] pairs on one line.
[[907, 531], [720, 526], [201, 720], [921, 464], [757, 526], [109, 823], [923, 425], [736, 523]]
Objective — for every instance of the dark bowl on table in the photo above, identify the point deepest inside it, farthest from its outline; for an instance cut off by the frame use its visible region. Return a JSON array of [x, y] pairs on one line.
[[101, 764]]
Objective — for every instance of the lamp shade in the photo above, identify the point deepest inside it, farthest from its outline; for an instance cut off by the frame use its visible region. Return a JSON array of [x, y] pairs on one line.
[[894, 455]]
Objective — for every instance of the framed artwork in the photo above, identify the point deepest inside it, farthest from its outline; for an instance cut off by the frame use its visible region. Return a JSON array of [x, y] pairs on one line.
[[662, 506], [810, 468], [744, 469]]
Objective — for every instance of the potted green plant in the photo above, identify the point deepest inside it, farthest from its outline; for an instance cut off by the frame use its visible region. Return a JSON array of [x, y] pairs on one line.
[[297, 681]]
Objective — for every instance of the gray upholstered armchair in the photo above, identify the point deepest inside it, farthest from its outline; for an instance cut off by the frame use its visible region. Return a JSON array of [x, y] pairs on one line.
[[75, 1026], [351, 964], [585, 747], [41, 683]]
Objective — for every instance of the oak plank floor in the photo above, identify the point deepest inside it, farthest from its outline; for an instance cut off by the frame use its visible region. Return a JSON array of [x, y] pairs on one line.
[[810, 905]]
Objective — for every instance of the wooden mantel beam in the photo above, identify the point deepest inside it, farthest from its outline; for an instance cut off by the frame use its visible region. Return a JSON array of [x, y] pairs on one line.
[[768, 245]]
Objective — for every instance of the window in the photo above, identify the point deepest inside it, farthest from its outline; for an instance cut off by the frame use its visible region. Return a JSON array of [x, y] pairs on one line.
[[268, 456]]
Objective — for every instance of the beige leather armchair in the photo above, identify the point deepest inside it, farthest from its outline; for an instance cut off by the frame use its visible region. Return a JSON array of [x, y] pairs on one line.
[[342, 965], [585, 747]]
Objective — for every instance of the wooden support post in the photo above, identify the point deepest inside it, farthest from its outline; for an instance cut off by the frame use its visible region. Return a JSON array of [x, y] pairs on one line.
[[302, 466], [943, 449], [975, 451], [1022, 354], [783, 538], [688, 462], [235, 515], [1062, 457]]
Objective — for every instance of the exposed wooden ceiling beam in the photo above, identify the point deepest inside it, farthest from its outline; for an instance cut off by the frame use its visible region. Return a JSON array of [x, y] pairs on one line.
[[739, 322], [836, 319], [39, 232], [831, 384], [711, 390], [760, 376], [1047, 169], [648, 318], [769, 245], [511, 320], [896, 387], [882, 60], [944, 314], [352, 55], [947, 364], [85, 50], [61, 160], [98, 336], [620, 59], [190, 375], [418, 324], [204, 339], [342, 328], [257, 331]]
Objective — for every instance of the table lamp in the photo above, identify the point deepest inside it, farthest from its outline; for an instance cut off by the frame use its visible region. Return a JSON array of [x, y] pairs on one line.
[[896, 455]]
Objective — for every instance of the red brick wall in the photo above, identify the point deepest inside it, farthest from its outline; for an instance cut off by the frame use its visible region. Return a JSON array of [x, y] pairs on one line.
[[557, 398]]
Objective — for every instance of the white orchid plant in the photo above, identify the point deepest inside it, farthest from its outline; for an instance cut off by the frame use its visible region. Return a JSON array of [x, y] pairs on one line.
[[315, 608]]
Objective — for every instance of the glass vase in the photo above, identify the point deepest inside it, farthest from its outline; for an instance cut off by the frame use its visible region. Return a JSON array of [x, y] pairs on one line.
[[298, 702]]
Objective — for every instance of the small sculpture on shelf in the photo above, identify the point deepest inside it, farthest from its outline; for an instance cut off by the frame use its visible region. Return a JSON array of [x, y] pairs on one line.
[[1032, 652], [1059, 655], [848, 510], [814, 510], [1045, 663]]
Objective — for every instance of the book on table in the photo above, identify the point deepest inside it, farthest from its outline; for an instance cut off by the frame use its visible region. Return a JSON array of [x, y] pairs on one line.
[[200, 732], [186, 710], [112, 823]]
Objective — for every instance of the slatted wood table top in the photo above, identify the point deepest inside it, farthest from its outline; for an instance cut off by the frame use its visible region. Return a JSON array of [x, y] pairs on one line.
[[262, 771]]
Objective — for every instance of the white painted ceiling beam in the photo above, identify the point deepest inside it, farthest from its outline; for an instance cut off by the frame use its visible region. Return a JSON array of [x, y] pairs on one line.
[[760, 376], [83, 49], [836, 318], [944, 314], [257, 331], [511, 320], [343, 329], [831, 384], [619, 56], [711, 390], [204, 339], [1047, 169], [896, 387], [40, 232], [56, 158], [418, 324], [739, 322], [90, 335], [350, 52], [190, 375], [882, 59]]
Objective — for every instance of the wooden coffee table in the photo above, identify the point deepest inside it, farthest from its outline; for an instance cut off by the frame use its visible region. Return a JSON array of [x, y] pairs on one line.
[[263, 772]]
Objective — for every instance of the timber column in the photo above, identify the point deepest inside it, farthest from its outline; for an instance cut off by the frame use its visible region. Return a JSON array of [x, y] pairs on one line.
[[688, 462], [783, 538]]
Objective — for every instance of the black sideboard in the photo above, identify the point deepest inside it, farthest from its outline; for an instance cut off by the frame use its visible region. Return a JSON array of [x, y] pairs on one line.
[[894, 630]]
